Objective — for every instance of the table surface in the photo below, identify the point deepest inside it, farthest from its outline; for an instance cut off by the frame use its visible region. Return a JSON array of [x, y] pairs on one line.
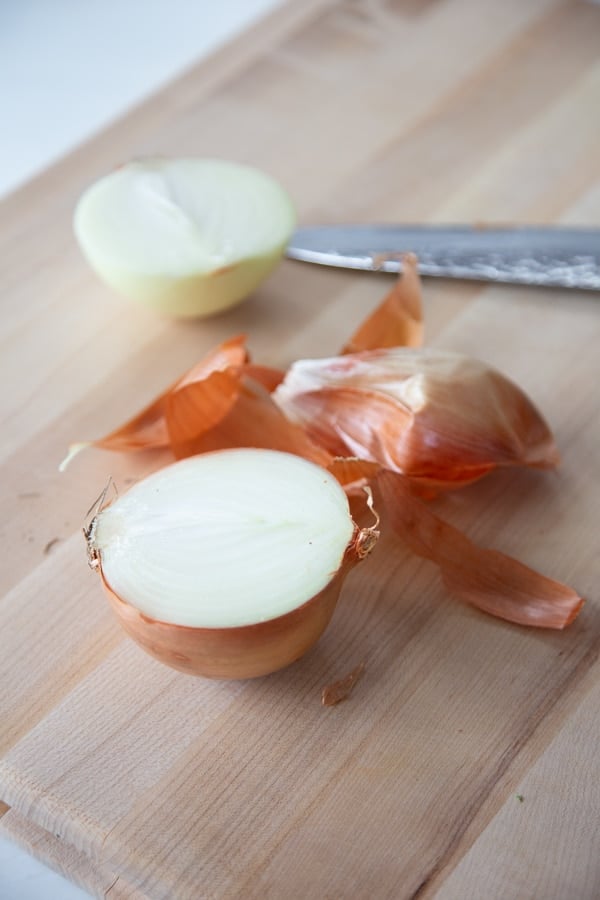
[[473, 740], [56, 92]]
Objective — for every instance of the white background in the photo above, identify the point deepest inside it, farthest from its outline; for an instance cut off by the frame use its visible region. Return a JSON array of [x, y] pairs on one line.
[[67, 69]]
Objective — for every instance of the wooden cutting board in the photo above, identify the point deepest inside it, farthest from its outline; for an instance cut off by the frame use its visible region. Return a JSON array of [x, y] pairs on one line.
[[465, 764]]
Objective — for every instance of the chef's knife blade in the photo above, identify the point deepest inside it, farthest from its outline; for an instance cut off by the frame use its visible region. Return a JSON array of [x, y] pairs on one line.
[[536, 255]]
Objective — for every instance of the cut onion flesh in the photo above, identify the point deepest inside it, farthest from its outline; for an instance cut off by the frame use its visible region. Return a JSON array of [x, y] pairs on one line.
[[187, 237], [227, 564]]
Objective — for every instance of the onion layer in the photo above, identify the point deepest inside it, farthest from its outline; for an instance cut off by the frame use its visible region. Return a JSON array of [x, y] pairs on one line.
[[228, 564]]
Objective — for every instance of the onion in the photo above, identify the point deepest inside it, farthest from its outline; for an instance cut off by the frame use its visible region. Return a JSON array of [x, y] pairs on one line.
[[228, 564], [186, 237]]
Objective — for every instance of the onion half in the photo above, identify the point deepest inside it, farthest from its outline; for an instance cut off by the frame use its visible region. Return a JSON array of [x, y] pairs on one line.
[[228, 564], [186, 237]]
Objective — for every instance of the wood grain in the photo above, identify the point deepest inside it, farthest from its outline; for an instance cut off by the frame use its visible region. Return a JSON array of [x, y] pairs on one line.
[[140, 782]]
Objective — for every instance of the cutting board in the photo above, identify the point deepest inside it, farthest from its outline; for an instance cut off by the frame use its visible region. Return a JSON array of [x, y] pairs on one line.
[[465, 763]]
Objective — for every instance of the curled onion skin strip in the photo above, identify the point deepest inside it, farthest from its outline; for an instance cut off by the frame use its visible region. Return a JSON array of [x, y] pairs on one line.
[[182, 416], [353, 473], [486, 579], [232, 353], [398, 320], [148, 429], [228, 410], [267, 376]]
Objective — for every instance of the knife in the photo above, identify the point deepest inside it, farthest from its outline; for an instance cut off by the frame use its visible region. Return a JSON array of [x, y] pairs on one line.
[[536, 255]]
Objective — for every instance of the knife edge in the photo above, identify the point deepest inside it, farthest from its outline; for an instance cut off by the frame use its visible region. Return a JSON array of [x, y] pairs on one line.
[[533, 255]]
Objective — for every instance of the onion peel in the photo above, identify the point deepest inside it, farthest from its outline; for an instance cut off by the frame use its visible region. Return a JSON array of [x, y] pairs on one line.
[[149, 429], [440, 418], [202, 399], [269, 377], [338, 691], [398, 320], [353, 473], [228, 410], [487, 579]]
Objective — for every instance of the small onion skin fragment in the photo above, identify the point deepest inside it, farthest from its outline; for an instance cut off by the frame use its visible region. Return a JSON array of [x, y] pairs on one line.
[[335, 693]]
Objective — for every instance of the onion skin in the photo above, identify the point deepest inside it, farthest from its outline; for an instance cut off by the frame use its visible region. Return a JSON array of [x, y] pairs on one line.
[[398, 320], [442, 419], [247, 651]]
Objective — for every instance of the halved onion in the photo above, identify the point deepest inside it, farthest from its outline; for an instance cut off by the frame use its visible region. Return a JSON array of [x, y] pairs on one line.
[[187, 237], [228, 564]]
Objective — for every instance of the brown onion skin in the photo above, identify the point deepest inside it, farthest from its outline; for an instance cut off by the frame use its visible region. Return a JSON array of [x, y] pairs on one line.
[[240, 652]]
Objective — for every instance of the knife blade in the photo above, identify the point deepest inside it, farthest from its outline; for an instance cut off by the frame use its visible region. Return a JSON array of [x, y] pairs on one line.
[[533, 255]]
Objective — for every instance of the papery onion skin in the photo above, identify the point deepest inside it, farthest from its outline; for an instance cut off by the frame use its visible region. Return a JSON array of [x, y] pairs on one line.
[[223, 401], [487, 579], [398, 320], [149, 428], [241, 652], [229, 410], [442, 419]]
